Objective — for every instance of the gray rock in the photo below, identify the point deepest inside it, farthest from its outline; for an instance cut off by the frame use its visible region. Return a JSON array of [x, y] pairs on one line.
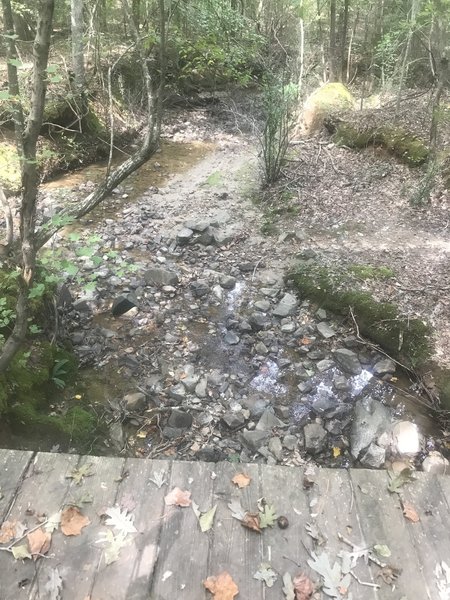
[[282, 412], [199, 288], [315, 438], [233, 419], [224, 236], [262, 305], [321, 313], [161, 277], [384, 367], [305, 387], [341, 383], [436, 464], [270, 292], [287, 306], [324, 365], [200, 388], [116, 435], [246, 267], [324, 403], [211, 454], [231, 338], [216, 377], [197, 226], [255, 405], [406, 439], [268, 421], [135, 401], [374, 457], [178, 392], [370, 420], [347, 360], [171, 433], [276, 448], [179, 419], [206, 238], [290, 442], [288, 328], [325, 330], [227, 282], [254, 439], [259, 321], [261, 348], [184, 236], [218, 292]]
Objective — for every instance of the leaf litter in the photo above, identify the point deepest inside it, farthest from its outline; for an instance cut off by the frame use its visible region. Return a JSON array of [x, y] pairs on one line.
[[120, 520], [241, 480], [178, 497], [73, 521], [205, 519], [266, 574], [221, 586], [80, 473]]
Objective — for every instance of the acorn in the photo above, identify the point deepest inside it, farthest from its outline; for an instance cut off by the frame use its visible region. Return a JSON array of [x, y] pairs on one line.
[[283, 523]]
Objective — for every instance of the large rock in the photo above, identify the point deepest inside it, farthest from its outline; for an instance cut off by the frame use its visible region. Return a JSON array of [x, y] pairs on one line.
[[406, 439], [254, 439], [384, 366], [374, 457], [315, 438], [179, 419], [370, 420], [324, 102], [347, 360], [161, 277], [287, 306]]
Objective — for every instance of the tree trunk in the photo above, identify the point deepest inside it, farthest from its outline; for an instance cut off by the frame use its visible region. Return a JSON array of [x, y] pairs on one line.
[[332, 62], [77, 29], [344, 29], [27, 133], [404, 70]]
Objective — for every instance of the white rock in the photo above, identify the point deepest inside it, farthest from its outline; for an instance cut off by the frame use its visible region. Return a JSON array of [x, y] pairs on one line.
[[436, 464], [406, 439]]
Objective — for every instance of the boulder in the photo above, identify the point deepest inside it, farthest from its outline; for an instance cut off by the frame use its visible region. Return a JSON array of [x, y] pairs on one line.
[[324, 102], [406, 439], [347, 360], [370, 420]]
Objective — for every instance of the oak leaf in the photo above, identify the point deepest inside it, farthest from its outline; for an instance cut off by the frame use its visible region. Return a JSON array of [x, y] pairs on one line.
[[78, 474], [39, 542], [410, 512], [178, 497], [241, 480], [222, 586], [7, 531], [73, 521], [303, 586], [120, 519]]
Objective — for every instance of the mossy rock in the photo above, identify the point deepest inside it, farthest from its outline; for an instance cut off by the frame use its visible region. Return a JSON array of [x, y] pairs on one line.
[[408, 340], [399, 142], [323, 102]]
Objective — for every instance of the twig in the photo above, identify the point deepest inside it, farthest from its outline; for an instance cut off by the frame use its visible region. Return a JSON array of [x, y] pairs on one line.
[[292, 560], [256, 266], [9, 548], [355, 548], [367, 583]]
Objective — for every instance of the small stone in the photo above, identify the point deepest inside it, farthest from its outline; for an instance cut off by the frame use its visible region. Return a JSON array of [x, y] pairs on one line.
[[258, 321], [384, 367], [255, 405], [276, 448], [233, 419], [246, 267], [254, 439], [321, 313], [231, 338], [199, 288], [116, 435], [290, 442], [325, 330], [171, 433], [287, 306], [178, 392], [161, 277], [179, 419], [305, 387], [184, 236], [227, 282], [374, 457], [436, 464], [197, 226], [269, 421], [315, 438], [215, 377], [200, 388], [262, 305], [288, 328], [211, 454], [282, 412], [347, 360], [341, 383], [324, 365], [261, 348], [135, 401]]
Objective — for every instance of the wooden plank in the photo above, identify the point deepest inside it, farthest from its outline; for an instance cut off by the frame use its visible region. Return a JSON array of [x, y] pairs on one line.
[[43, 492], [283, 487], [13, 464], [78, 557], [129, 578], [382, 522], [430, 536], [183, 557], [236, 549]]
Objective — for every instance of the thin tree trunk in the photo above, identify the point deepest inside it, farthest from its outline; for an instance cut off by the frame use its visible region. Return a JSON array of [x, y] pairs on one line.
[[302, 48], [343, 54], [77, 30], [350, 46], [404, 70], [27, 133], [332, 67]]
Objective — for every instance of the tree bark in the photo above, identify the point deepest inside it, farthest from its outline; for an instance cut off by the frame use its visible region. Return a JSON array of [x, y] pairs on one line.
[[344, 30], [332, 63]]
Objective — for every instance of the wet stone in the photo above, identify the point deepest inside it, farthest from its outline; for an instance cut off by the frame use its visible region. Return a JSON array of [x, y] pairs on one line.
[[315, 438], [227, 282], [305, 387], [262, 305], [384, 367], [325, 330], [233, 419], [341, 383], [179, 419], [290, 442], [324, 365], [231, 338], [287, 328], [287, 306], [161, 277], [370, 420], [261, 348], [347, 360], [374, 457], [258, 321]]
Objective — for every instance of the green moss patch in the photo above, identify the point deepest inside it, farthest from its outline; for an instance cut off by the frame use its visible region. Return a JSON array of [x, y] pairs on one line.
[[402, 144], [408, 340], [325, 101], [371, 272]]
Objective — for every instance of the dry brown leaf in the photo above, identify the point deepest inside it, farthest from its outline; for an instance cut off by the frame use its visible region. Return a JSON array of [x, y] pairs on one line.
[[73, 521], [410, 512], [222, 586], [178, 497], [241, 480], [7, 531], [39, 542], [303, 586], [251, 521]]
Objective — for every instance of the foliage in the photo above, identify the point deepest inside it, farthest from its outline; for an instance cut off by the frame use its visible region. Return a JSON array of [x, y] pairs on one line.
[[280, 102]]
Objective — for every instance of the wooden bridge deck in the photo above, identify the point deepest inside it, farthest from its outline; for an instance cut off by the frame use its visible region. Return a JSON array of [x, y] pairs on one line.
[[168, 557]]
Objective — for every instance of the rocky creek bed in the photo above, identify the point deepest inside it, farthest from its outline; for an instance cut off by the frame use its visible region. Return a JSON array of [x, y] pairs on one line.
[[193, 346]]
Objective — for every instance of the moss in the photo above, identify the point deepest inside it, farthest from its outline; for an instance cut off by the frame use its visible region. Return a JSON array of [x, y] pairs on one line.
[[214, 179], [10, 178], [371, 272], [402, 144], [328, 99], [405, 339]]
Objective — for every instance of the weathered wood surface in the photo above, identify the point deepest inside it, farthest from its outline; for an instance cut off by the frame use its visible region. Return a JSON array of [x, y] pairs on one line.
[[169, 557]]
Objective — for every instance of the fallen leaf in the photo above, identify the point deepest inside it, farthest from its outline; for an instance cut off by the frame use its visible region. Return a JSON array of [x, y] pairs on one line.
[[236, 509], [120, 519], [78, 474], [332, 575], [53, 587], [389, 574], [336, 451], [39, 542], [251, 521], [288, 587], [7, 531], [266, 574], [315, 533], [303, 586], [397, 482], [113, 544], [178, 497], [73, 521], [53, 522], [410, 512], [267, 517], [20, 552], [382, 550], [159, 478], [222, 586], [241, 480], [205, 519]]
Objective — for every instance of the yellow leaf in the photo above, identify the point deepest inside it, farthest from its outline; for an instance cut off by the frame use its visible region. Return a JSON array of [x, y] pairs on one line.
[[77, 397], [336, 451]]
